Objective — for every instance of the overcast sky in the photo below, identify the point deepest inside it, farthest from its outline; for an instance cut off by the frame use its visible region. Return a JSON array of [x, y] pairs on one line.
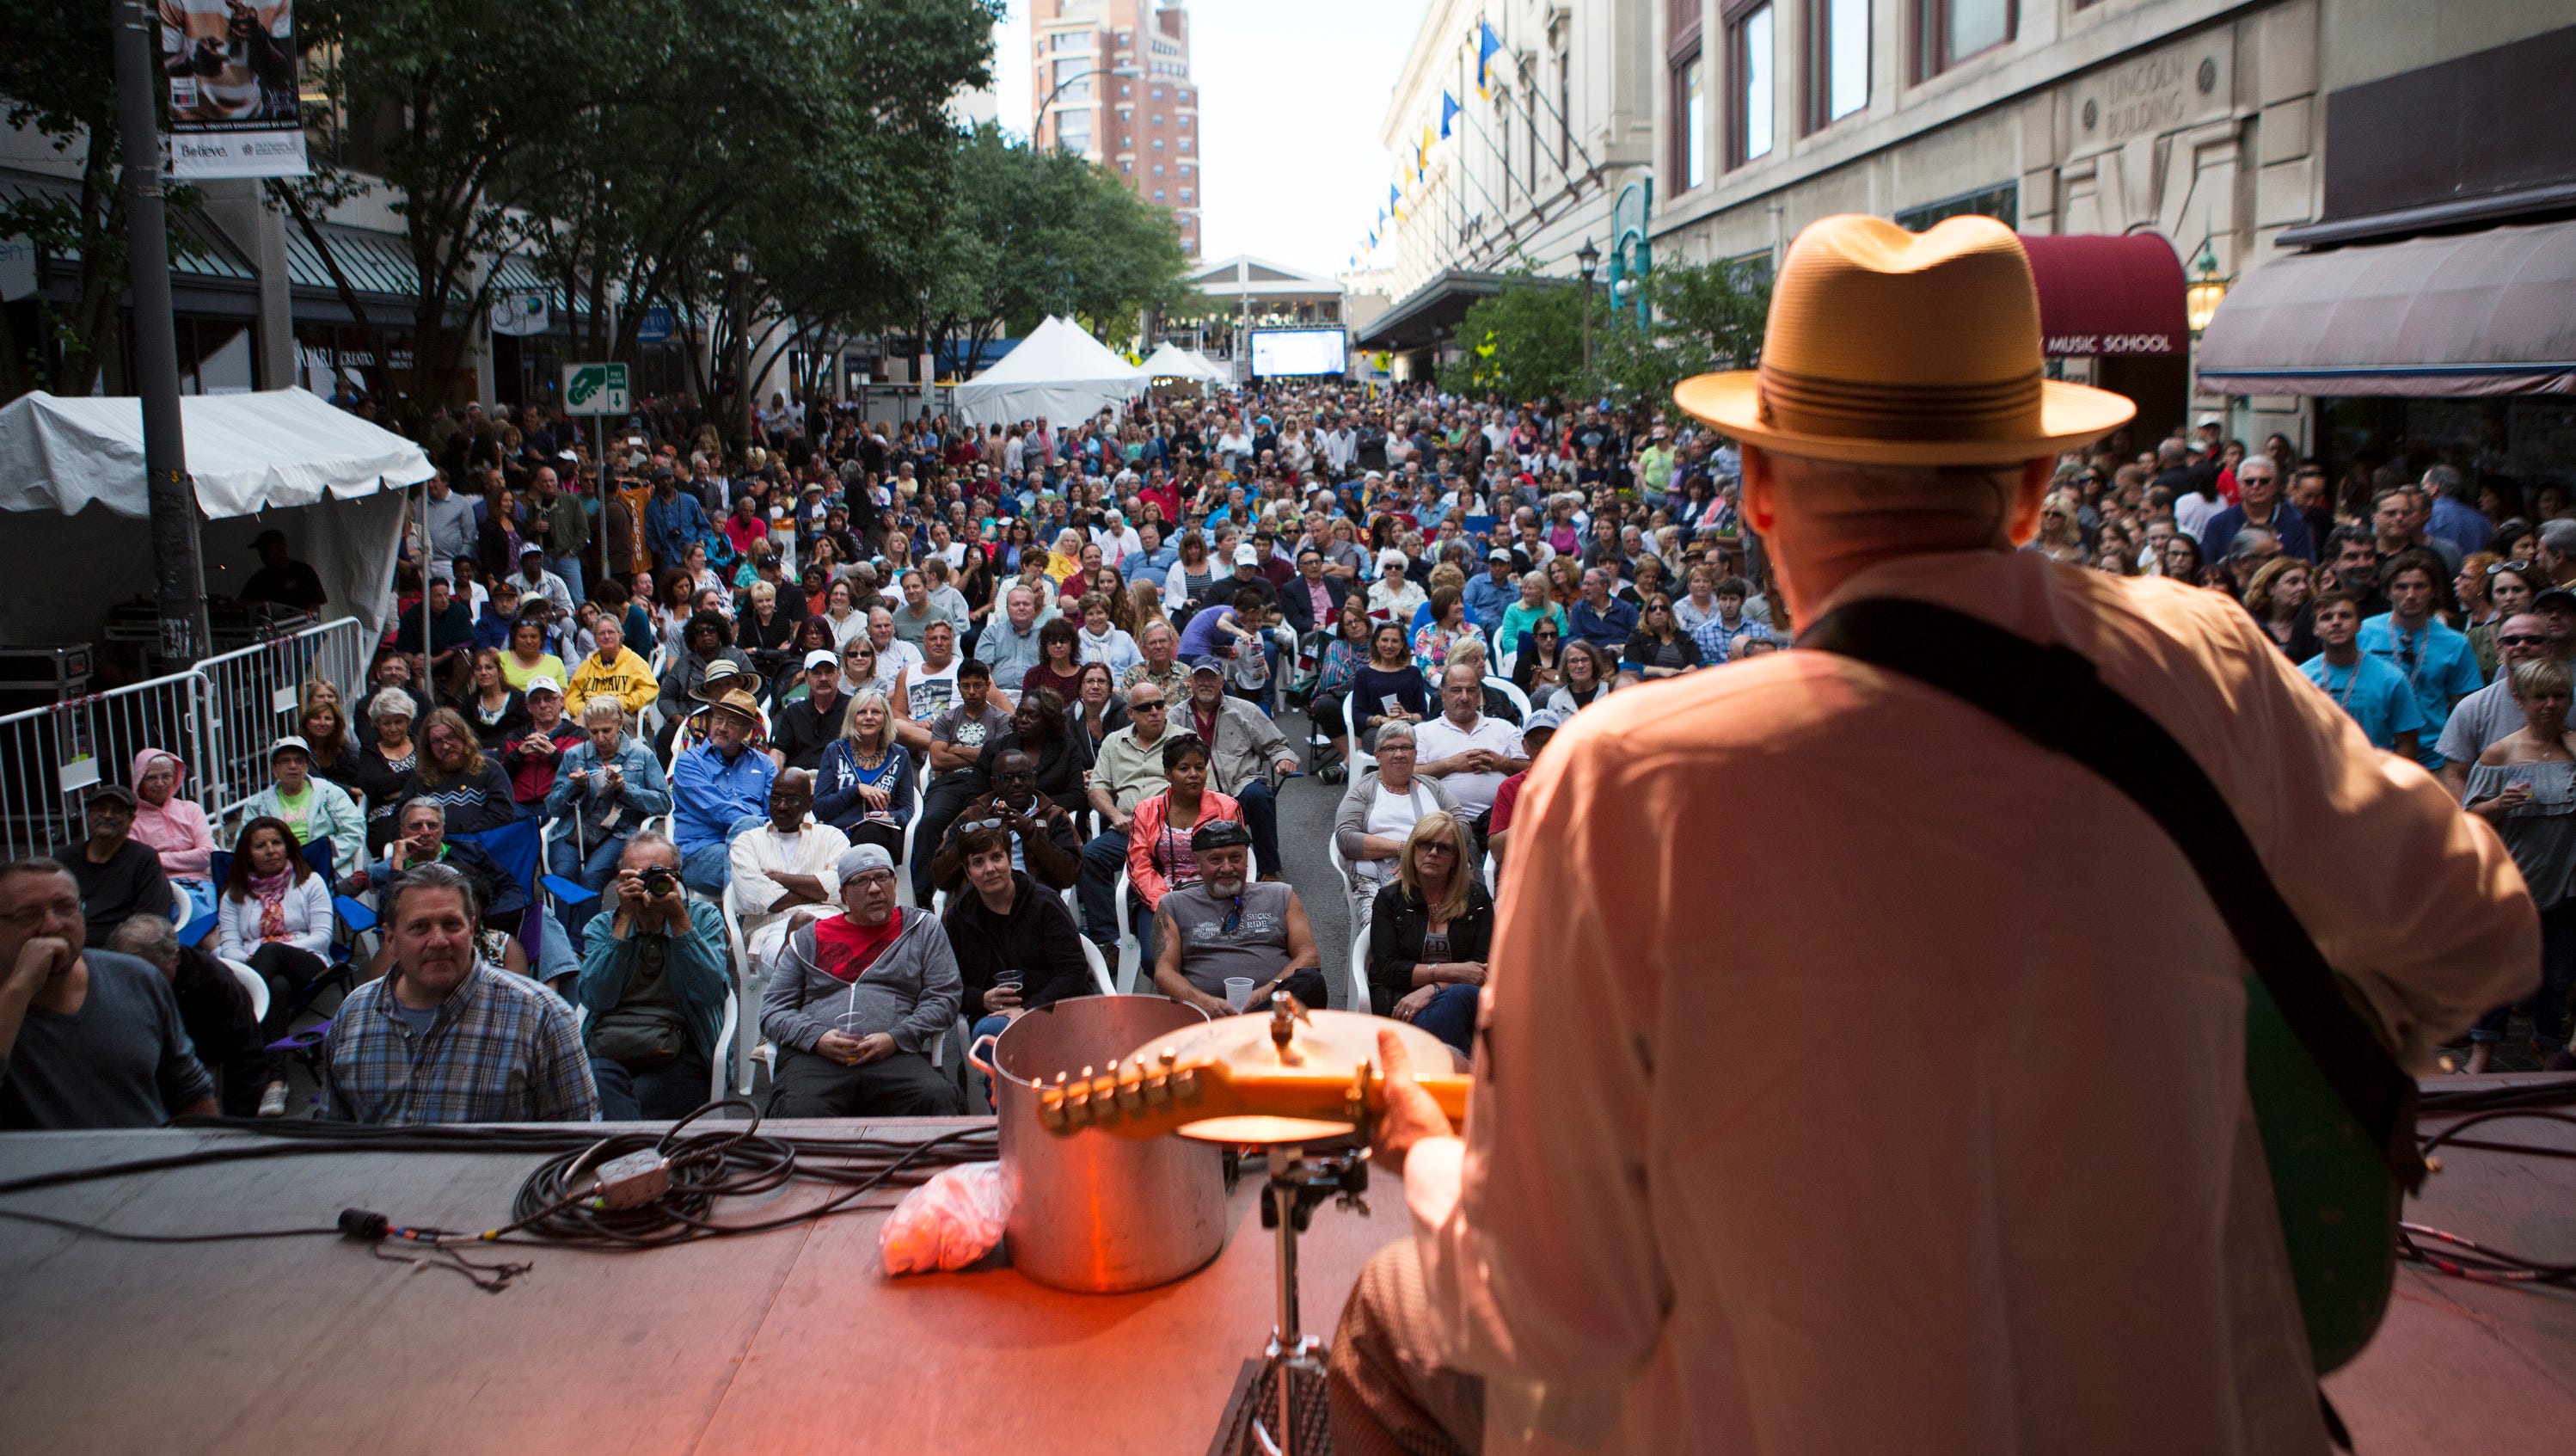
[[1290, 97]]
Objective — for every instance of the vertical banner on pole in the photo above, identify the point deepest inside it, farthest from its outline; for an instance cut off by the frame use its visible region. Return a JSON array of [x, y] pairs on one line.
[[233, 108]]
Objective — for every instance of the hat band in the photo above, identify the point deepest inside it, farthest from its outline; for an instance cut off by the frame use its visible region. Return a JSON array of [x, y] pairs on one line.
[[1809, 404]]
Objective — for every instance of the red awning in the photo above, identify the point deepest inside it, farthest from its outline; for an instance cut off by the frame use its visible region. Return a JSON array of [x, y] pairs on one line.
[[2105, 295]]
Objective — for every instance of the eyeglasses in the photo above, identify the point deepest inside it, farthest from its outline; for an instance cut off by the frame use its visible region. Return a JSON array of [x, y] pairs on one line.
[[1146, 707], [2508, 566], [1233, 918], [2523, 639]]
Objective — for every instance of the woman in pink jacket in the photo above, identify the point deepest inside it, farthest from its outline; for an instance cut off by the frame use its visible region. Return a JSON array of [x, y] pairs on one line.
[[174, 828]]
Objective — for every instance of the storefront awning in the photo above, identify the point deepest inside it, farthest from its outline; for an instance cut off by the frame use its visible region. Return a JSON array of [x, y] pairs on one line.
[[2474, 314], [2108, 295]]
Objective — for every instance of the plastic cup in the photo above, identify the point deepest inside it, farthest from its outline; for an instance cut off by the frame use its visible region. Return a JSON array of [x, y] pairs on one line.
[[1238, 991]]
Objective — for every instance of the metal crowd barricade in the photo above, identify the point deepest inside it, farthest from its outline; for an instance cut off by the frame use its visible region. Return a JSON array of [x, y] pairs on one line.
[[49, 757], [220, 716], [252, 699]]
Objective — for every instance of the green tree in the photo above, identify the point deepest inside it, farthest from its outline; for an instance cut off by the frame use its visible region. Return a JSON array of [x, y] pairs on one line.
[[58, 83], [1525, 342], [1707, 316]]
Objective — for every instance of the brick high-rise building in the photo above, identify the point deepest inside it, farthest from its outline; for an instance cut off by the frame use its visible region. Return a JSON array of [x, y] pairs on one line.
[[1111, 79]]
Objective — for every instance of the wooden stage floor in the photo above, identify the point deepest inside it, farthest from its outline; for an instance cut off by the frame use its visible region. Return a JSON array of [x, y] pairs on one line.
[[792, 1341]]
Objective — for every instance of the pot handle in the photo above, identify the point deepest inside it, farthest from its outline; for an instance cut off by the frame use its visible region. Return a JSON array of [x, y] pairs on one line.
[[981, 1065]]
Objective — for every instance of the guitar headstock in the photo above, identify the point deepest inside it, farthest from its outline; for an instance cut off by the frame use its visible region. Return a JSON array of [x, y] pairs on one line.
[[1161, 1091]]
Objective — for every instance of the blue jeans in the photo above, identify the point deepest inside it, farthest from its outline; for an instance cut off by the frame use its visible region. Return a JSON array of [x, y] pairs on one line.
[[594, 871], [665, 1094], [709, 867], [569, 568], [1451, 1016], [1102, 858], [988, 1026], [1261, 816]]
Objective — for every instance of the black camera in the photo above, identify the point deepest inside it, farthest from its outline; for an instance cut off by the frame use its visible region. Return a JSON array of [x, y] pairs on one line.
[[659, 880]]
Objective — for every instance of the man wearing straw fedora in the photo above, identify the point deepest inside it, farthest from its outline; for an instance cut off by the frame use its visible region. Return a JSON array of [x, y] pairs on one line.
[[1904, 1152]]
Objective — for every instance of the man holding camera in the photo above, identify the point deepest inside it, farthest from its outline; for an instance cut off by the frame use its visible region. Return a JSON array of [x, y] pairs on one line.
[[653, 979], [1042, 838]]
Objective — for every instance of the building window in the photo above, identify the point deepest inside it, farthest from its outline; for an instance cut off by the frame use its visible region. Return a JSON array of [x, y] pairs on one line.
[[1158, 93], [1127, 167], [1185, 144], [1689, 156], [2002, 203], [1069, 40], [1073, 130], [1185, 194], [1565, 112], [1158, 144], [1158, 194], [1947, 32], [1158, 118], [1158, 169], [1837, 79], [1752, 75]]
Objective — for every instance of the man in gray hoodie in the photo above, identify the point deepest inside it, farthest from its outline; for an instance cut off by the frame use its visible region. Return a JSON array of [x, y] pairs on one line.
[[854, 1000]]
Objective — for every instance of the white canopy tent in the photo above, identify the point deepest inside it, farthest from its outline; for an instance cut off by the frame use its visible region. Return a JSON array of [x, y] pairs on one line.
[[1171, 361], [1059, 372], [281, 459]]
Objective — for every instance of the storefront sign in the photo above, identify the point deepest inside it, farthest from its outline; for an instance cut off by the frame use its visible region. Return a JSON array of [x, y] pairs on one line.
[[655, 326], [519, 313], [232, 70], [17, 268], [2086, 346]]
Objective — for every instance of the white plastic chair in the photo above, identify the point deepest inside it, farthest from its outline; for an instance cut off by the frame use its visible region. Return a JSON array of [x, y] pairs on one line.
[[253, 982], [746, 988], [732, 1049], [1131, 952], [1512, 691], [1361, 759], [1099, 966], [1358, 990]]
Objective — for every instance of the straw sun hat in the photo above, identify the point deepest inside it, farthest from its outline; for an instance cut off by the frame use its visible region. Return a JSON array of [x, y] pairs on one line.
[[1886, 347]]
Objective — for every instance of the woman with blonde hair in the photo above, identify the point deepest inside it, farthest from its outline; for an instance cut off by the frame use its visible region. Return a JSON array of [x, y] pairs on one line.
[[2278, 597], [864, 788], [1431, 932], [1145, 607]]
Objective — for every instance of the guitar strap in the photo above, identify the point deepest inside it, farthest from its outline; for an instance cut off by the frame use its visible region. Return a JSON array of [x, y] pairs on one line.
[[2054, 697]]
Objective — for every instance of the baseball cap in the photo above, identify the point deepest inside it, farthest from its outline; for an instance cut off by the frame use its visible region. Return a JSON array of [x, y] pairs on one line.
[[2556, 596], [531, 549], [820, 657], [1244, 555], [118, 792], [1498, 554], [268, 537], [1545, 720], [544, 682], [1219, 834], [858, 859], [294, 741], [1206, 664]]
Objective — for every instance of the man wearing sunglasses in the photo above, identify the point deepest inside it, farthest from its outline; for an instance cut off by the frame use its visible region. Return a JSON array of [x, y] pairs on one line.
[[1043, 842], [2490, 713], [2259, 503], [1228, 926]]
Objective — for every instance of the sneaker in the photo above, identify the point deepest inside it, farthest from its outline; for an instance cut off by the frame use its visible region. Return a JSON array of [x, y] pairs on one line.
[[272, 1102]]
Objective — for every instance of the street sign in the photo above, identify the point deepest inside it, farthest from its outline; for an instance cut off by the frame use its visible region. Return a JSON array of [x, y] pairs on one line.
[[594, 389]]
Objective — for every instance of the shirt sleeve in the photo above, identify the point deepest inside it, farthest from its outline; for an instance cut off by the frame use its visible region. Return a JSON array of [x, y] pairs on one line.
[[559, 1074], [1537, 1251], [184, 1080]]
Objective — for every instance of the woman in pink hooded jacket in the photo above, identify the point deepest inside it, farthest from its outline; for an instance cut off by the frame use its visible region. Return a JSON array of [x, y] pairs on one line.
[[173, 827]]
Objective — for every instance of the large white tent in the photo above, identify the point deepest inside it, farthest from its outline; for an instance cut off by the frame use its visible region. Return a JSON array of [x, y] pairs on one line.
[[1059, 372], [1171, 361], [285, 459]]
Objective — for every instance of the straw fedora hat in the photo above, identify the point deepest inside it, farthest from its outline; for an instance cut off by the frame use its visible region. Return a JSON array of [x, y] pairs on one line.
[[1886, 347], [736, 700]]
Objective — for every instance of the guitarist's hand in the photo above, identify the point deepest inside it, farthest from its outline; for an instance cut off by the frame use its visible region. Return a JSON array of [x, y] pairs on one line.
[[1410, 1116]]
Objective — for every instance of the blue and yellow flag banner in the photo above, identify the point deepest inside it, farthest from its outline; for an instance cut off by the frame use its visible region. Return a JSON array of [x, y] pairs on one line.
[[1488, 45], [1449, 109]]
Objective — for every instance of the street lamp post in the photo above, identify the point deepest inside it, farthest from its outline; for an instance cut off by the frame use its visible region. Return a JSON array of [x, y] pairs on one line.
[[1587, 258], [742, 342]]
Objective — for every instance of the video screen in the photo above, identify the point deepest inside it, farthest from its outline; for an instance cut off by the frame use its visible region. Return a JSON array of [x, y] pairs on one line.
[[1299, 351]]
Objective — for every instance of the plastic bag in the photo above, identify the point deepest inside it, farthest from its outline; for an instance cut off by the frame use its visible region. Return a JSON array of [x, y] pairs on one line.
[[947, 1223]]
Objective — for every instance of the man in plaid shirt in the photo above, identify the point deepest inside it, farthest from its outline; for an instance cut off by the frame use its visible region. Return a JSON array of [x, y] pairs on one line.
[[446, 1037]]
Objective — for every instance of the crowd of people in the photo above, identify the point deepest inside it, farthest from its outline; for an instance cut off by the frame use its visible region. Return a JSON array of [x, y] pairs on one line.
[[1039, 677]]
